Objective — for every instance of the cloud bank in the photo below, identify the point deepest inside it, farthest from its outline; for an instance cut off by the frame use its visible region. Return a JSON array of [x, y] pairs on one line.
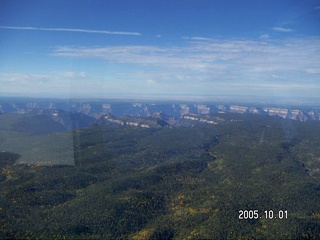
[[201, 67], [207, 65], [213, 56]]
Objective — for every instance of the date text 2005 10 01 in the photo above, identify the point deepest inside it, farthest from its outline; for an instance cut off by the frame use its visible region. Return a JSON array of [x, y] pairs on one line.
[[267, 214]]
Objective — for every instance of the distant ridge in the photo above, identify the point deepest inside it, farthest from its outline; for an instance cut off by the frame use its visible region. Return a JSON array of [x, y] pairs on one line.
[[161, 110]]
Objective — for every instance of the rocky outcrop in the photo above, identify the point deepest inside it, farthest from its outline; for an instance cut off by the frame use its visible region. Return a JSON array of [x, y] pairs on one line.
[[146, 122], [280, 112], [238, 109]]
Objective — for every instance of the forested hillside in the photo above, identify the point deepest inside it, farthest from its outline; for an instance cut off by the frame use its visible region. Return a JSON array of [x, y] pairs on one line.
[[164, 183]]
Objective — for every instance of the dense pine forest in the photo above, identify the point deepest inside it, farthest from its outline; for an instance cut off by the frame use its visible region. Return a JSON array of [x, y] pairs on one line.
[[250, 176]]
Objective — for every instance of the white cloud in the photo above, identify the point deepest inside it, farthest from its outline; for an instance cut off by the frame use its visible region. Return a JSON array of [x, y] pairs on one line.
[[265, 36], [212, 59], [313, 70], [197, 38], [73, 74], [50, 79], [281, 29], [151, 82], [196, 67], [72, 30], [21, 78], [55, 84]]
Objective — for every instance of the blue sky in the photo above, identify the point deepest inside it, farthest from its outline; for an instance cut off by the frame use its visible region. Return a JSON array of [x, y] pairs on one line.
[[160, 49]]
